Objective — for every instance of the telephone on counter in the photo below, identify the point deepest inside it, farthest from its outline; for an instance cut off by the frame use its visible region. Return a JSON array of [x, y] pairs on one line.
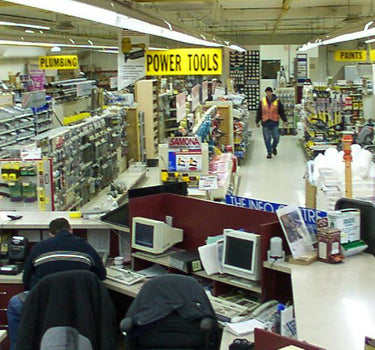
[[17, 252], [265, 312]]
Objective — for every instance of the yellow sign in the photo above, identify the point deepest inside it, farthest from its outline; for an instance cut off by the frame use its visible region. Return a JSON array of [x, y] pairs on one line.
[[58, 62], [372, 55], [184, 62], [351, 55]]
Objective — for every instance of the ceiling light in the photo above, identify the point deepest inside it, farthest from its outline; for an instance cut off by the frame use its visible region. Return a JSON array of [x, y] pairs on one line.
[[56, 49], [72, 41], [153, 48], [97, 14], [41, 44], [168, 24], [25, 25], [90, 42], [350, 36], [41, 32], [368, 25], [369, 41], [308, 46], [237, 48], [29, 31]]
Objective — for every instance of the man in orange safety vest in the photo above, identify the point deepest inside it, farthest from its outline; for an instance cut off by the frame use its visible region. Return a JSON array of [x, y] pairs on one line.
[[269, 112]]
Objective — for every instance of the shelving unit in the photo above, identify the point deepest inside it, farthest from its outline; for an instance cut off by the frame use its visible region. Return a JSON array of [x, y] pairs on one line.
[[146, 96], [167, 115], [86, 157], [245, 72], [221, 280], [135, 135], [19, 125]]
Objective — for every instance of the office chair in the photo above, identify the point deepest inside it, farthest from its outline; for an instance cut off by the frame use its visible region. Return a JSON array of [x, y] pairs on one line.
[[171, 312], [68, 310]]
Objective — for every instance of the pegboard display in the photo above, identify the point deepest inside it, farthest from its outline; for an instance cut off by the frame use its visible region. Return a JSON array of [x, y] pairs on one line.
[[245, 72], [26, 185]]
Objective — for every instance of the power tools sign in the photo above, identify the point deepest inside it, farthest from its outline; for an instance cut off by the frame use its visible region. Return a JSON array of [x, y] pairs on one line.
[[184, 62]]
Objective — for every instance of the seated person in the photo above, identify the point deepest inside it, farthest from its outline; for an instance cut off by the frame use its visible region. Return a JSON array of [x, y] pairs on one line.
[[61, 252]]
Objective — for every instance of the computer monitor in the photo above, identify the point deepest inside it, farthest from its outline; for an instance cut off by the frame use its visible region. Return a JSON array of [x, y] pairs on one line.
[[241, 254], [154, 236], [367, 226]]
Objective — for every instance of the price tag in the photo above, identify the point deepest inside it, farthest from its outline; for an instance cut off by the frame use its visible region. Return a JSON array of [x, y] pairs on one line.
[[208, 182]]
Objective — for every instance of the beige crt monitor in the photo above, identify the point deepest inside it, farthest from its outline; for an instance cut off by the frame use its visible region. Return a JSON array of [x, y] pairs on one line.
[[241, 254], [154, 236]]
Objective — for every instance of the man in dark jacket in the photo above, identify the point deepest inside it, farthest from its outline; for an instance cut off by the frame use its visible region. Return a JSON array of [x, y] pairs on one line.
[[61, 252], [270, 110]]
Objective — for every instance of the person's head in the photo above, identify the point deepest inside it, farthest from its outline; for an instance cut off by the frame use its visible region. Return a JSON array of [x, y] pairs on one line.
[[59, 224], [269, 92]]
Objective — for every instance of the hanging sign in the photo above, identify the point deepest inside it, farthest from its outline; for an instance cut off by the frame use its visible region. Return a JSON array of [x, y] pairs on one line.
[[58, 62], [351, 55], [194, 97], [184, 62], [204, 91], [180, 106]]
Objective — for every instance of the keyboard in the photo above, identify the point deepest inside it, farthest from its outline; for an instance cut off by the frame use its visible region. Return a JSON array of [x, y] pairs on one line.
[[226, 310], [124, 276]]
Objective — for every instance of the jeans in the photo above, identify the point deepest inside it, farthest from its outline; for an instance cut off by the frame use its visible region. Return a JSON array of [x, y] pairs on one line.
[[15, 307], [268, 133]]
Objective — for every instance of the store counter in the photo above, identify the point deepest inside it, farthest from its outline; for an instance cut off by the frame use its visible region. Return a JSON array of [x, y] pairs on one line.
[[334, 304], [41, 219]]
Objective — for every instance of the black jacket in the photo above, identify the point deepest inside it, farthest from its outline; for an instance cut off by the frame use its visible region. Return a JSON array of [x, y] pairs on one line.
[[271, 122], [160, 296], [61, 253], [68, 309]]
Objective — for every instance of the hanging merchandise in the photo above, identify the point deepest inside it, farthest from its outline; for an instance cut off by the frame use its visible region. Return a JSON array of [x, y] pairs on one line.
[[26, 185]]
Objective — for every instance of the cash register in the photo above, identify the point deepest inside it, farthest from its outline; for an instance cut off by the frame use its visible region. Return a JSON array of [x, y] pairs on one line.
[[17, 252]]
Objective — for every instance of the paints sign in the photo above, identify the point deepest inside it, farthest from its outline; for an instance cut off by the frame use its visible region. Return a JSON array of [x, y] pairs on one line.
[[184, 62], [351, 55]]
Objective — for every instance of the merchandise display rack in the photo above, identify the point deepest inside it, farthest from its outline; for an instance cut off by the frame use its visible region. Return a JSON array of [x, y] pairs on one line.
[[245, 72], [86, 157]]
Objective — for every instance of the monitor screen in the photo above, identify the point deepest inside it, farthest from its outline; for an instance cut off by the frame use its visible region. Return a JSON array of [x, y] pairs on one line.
[[239, 253], [144, 235]]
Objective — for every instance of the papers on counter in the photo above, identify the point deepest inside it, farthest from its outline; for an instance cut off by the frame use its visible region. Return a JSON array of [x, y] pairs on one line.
[[245, 327]]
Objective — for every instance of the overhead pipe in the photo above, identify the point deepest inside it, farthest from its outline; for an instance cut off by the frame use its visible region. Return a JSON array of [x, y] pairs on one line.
[[284, 9]]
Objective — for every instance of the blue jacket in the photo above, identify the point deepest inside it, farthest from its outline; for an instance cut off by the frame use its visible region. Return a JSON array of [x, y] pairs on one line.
[[62, 252]]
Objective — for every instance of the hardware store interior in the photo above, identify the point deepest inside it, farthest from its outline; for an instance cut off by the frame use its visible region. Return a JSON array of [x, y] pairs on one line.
[[226, 142]]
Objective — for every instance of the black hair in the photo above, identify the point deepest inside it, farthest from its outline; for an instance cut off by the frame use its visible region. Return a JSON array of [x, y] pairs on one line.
[[59, 224], [268, 89]]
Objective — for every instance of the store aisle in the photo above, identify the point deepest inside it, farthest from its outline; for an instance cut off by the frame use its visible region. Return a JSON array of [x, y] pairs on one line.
[[279, 179]]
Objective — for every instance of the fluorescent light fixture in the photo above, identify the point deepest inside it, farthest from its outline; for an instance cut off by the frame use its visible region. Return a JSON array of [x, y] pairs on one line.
[[368, 25], [308, 46], [108, 51], [350, 36], [72, 41], [41, 32], [29, 31], [237, 48], [49, 45], [153, 48], [100, 15], [90, 42], [370, 41], [56, 49], [342, 38], [168, 24], [24, 25]]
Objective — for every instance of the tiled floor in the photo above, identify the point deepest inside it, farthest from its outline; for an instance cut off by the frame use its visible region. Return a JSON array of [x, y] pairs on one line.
[[279, 179]]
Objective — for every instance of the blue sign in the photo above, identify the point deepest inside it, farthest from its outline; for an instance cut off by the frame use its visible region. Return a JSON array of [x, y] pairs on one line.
[[309, 215]]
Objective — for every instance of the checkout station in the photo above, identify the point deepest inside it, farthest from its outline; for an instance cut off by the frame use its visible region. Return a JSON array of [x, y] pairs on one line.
[[333, 303]]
